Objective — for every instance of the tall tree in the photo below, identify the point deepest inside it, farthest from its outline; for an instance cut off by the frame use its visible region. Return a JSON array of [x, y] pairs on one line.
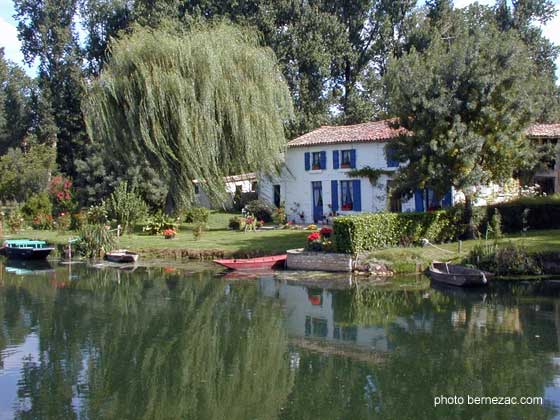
[[199, 105], [46, 30], [466, 101]]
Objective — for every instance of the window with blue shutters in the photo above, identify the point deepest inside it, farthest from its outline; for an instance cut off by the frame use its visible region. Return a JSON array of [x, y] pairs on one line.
[[307, 158], [353, 159], [447, 199], [350, 195], [391, 161], [335, 159]]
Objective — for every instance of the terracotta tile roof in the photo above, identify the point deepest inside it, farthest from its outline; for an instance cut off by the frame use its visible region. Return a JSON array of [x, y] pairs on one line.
[[375, 131], [544, 131]]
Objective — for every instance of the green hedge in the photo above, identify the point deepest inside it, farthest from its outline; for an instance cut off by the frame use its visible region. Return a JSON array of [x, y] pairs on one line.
[[369, 231], [544, 213]]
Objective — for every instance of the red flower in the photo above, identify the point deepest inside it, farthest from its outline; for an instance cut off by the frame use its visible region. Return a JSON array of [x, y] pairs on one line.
[[326, 231], [314, 237], [60, 195], [67, 196]]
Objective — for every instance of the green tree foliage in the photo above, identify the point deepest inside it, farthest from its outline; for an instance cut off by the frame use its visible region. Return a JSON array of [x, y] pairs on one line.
[[199, 105], [16, 114], [25, 173], [126, 206], [466, 101], [46, 30]]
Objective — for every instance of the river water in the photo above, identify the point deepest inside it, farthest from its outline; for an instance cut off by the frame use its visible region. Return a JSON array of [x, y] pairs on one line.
[[173, 343]]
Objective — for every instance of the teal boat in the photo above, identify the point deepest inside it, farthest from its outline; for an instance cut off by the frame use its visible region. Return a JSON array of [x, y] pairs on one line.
[[26, 249]]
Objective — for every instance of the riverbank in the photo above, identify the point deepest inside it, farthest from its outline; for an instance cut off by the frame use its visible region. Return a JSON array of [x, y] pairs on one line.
[[216, 242], [413, 259]]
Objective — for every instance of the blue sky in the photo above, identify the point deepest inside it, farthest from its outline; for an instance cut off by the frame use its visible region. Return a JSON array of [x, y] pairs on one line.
[[8, 32]]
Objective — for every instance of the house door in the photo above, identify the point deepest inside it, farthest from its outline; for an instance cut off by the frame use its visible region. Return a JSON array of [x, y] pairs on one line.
[[317, 189]]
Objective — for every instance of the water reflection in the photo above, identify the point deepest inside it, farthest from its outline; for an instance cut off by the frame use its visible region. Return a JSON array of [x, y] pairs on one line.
[[165, 343]]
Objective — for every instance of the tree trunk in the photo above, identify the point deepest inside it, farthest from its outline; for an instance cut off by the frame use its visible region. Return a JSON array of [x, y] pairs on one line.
[[468, 221]]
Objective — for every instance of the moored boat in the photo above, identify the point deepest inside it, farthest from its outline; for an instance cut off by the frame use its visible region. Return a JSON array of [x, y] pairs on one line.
[[457, 275], [275, 261], [121, 256], [26, 249]]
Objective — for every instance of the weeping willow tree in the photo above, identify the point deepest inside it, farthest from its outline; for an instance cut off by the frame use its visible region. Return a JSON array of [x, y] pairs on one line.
[[200, 104]]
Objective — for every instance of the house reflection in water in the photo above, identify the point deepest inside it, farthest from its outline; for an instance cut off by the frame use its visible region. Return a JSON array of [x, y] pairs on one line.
[[314, 313]]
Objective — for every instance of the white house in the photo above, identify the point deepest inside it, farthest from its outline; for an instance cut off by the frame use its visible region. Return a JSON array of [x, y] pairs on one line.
[[234, 184], [314, 184], [548, 178]]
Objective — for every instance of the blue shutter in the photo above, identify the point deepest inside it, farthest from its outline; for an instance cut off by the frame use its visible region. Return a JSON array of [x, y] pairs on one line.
[[334, 195], [391, 162], [353, 158], [447, 199], [335, 161], [419, 200], [323, 159], [357, 195], [307, 161]]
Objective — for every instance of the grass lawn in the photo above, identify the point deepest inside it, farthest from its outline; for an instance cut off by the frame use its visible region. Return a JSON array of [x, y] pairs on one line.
[[405, 259], [218, 237]]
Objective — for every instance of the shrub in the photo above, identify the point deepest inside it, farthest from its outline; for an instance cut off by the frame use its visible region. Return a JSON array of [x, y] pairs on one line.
[[97, 214], [159, 222], [78, 220], [234, 223], [508, 259], [95, 240], [42, 222], [63, 222], [495, 224], [126, 206], [198, 230], [539, 213], [241, 199], [197, 215], [37, 204], [15, 220], [366, 232], [279, 215], [261, 209], [60, 191]]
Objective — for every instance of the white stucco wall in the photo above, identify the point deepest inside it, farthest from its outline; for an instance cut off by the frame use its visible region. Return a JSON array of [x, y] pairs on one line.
[[295, 181]]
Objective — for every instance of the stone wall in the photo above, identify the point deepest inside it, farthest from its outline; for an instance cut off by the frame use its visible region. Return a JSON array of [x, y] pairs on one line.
[[298, 259]]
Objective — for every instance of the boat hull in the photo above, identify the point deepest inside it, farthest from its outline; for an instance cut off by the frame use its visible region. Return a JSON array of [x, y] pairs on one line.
[[261, 263], [456, 275], [27, 253], [121, 256]]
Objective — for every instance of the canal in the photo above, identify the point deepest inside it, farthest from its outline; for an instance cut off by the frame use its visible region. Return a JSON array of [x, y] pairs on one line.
[[185, 342]]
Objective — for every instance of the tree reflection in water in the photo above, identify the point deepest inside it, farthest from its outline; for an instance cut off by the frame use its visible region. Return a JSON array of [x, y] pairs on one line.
[[145, 347]]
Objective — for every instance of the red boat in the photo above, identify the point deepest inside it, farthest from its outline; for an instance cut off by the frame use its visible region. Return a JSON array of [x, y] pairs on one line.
[[275, 261]]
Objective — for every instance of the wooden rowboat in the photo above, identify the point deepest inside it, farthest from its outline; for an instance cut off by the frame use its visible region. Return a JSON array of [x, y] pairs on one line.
[[457, 275], [275, 261], [121, 256]]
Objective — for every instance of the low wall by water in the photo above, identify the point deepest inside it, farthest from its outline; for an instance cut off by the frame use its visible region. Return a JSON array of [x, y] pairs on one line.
[[299, 259]]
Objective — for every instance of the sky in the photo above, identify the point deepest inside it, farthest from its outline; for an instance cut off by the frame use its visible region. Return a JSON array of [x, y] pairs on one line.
[[8, 32]]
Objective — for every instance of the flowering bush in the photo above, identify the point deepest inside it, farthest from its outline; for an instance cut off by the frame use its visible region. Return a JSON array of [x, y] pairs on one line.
[[60, 191], [326, 232], [169, 233], [42, 222], [313, 236], [63, 222]]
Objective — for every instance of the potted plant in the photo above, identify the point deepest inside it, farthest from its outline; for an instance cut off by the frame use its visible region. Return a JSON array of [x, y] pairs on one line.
[[346, 207], [314, 242], [326, 232], [169, 233]]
